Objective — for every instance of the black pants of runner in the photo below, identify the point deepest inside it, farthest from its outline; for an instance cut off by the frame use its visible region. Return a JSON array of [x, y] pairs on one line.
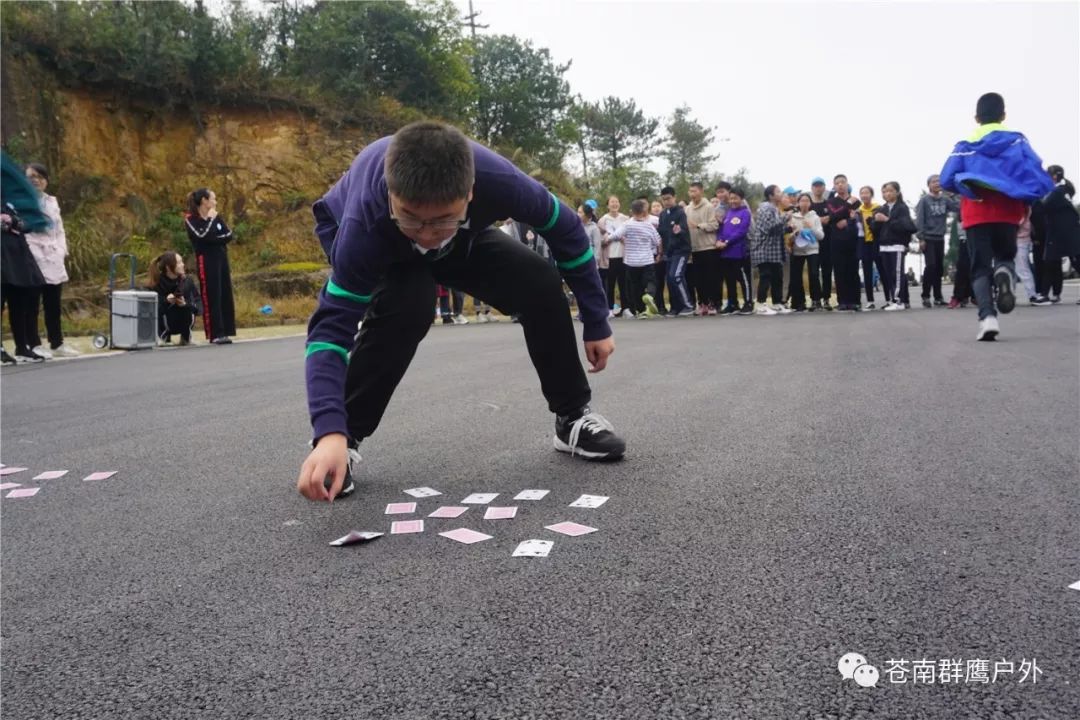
[[22, 306], [934, 257], [962, 284], [616, 277], [737, 274], [660, 273], [798, 290], [825, 260], [50, 302], [215, 284], [1038, 253], [496, 270], [708, 280], [846, 266], [770, 275], [639, 281]]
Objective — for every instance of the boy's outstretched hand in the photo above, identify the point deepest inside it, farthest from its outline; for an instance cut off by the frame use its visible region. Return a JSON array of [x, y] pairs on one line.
[[597, 353], [329, 457]]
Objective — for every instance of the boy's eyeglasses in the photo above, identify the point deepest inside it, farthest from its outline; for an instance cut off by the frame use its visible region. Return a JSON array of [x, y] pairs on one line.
[[439, 225]]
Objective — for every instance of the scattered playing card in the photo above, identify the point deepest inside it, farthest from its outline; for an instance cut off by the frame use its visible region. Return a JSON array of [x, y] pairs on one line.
[[571, 528], [400, 508], [11, 470], [51, 475], [404, 527], [8, 486], [479, 498], [422, 492], [531, 494], [355, 536], [464, 535], [22, 492], [534, 548], [448, 511], [589, 501], [100, 475], [500, 513]]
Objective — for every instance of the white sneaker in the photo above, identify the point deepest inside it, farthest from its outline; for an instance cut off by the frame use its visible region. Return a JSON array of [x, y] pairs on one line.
[[44, 352], [765, 310], [892, 307], [481, 318], [66, 350], [782, 310], [461, 320], [627, 315], [988, 328]]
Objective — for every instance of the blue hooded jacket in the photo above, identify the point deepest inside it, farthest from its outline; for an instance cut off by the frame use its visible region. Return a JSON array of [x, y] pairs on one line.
[[999, 159]]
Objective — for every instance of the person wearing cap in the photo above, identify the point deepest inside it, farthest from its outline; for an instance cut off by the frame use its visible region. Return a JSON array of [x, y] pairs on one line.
[[931, 215], [819, 201], [789, 240]]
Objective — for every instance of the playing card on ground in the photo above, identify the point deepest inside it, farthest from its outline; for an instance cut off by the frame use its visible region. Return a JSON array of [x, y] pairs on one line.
[[589, 501], [464, 535], [51, 475], [100, 475], [571, 528], [448, 511], [355, 536], [400, 508], [531, 494], [11, 470], [500, 513], [8, 486], [479, 498], [534, 548], [22, 492], [404, 527], [422, 492]]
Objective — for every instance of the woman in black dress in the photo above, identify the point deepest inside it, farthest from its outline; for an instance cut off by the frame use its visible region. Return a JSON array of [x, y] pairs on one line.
[[209, 237]]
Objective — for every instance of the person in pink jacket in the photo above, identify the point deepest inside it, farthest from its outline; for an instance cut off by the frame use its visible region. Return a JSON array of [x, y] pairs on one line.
[[49, 248]]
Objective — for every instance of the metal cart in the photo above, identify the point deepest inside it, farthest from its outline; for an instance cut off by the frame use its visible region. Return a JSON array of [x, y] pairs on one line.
[[132, 313]]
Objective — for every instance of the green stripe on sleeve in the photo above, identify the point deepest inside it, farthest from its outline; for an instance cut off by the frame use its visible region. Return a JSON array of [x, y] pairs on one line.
[[581, 260], [554, 215], [337, 291], [315, 347]]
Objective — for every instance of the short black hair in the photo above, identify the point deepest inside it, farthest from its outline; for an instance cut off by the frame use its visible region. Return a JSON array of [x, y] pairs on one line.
[[736, 191], [667, 190], [40, 169], [429, 163], [642, 197], [639, 206], [867, 187], [896, 186], [990, 109], [724, 185], [838, 176], [771, 190], [698, 185]]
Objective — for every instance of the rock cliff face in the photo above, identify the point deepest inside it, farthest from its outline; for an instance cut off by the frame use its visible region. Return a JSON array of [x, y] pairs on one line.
[[122, 168]]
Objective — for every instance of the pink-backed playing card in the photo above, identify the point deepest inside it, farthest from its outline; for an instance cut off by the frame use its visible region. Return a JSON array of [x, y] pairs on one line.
[[100, 475], [51, 475], [571, 528], [464, 535], [8, 486], [11, 470], [405, 527], [400, 508], [23, 492], [500, 513], [448, 511]]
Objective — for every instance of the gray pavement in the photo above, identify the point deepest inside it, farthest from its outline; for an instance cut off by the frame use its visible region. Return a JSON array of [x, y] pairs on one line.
[[796, 488]]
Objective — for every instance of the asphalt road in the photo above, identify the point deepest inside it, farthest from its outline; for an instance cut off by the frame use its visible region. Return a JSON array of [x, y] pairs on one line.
[[796, 488]]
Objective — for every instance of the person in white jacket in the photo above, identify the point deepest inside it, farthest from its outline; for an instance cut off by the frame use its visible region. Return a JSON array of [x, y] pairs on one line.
[[49, 249], [807, 232]]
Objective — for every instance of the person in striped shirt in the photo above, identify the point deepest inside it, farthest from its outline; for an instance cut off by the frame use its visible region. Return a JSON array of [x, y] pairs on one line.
[[416, 209], [641, 242]]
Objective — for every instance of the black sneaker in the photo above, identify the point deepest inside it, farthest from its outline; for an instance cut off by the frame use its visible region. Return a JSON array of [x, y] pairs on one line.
[[28, 356], [588, 435], [7, 359], [926, 303], [747, 309], [729, 310], [940, 302], [1003, 283]]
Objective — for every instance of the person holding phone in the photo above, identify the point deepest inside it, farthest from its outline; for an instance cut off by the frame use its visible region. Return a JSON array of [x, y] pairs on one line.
[[178, 300]]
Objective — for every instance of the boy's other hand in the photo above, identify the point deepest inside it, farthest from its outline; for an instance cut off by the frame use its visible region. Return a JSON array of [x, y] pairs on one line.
[[328, 457], [597, 353]]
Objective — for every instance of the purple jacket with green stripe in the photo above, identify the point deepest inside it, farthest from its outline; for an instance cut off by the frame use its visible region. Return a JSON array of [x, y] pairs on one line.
[[354, 227]]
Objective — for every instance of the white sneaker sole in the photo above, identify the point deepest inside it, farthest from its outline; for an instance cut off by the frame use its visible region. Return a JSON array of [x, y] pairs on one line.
[[563, 447]]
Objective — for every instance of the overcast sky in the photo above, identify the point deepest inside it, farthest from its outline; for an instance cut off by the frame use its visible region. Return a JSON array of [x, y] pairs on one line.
[[877, 90]]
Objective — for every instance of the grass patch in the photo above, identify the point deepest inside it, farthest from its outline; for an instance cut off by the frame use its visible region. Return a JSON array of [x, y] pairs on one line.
[[299, 267]]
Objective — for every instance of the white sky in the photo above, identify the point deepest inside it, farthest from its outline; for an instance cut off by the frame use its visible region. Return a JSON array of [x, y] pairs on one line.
[[877, 90]]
